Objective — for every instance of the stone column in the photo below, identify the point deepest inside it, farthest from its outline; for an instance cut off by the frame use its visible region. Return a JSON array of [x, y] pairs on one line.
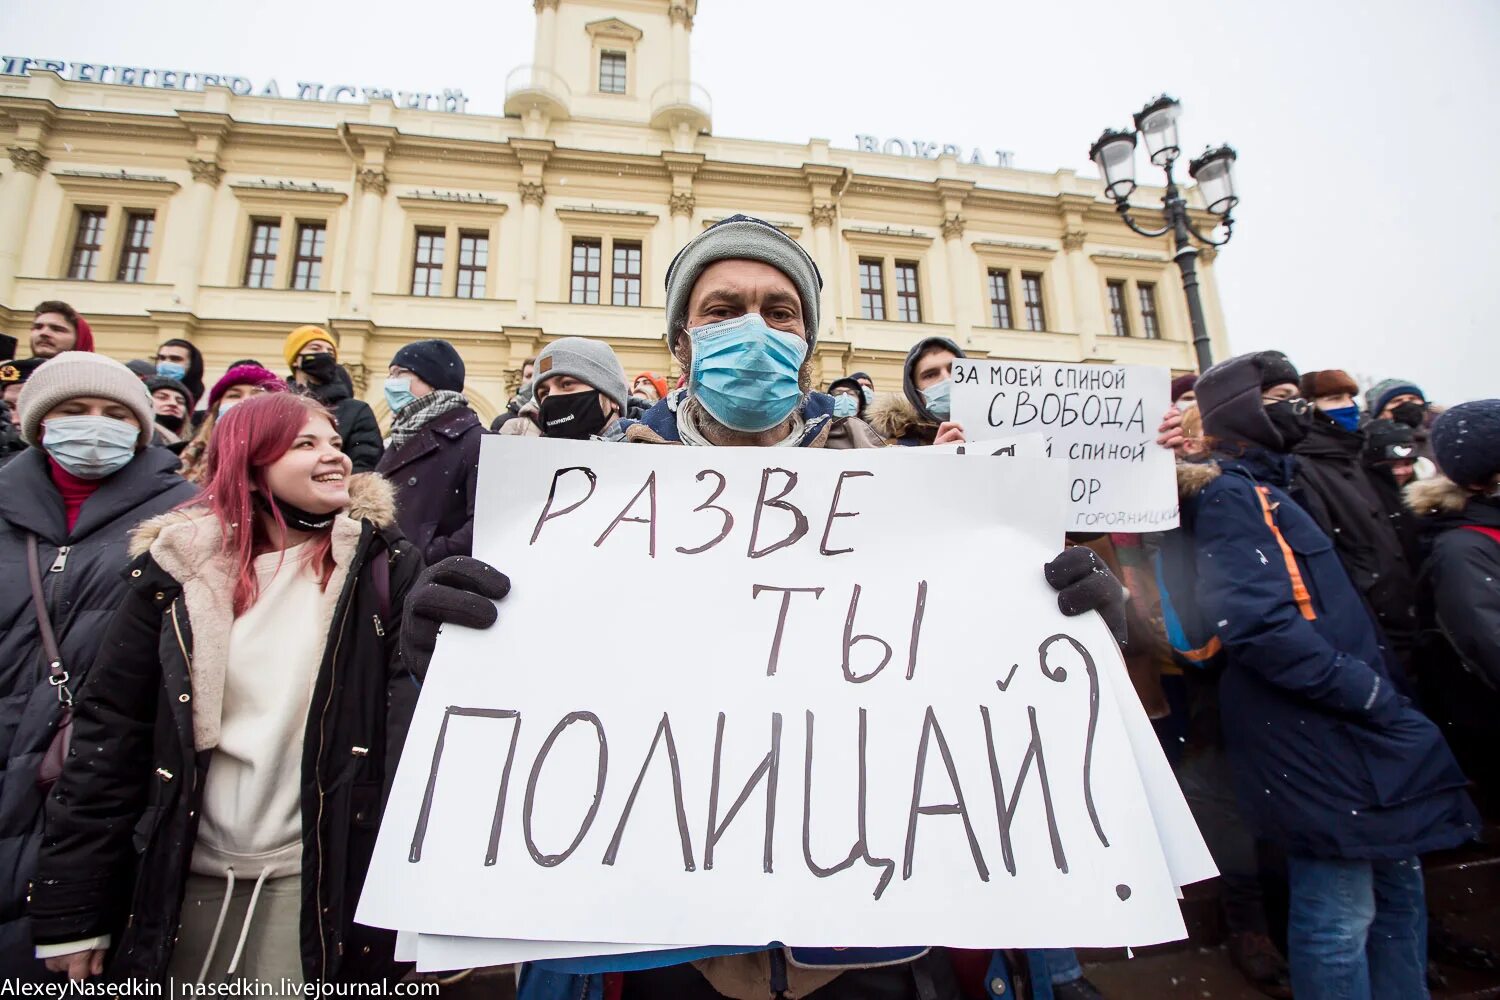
[[533, 193], [17, 192], [545, 55], [1088, 310], [682, 23], [958, 275], [682, 204], [372, 182], [190, 228]]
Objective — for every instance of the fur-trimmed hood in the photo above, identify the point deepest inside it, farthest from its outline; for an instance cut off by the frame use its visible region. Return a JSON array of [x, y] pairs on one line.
[[893, 417], [1439, 495], [1194, 477], [187, 545]]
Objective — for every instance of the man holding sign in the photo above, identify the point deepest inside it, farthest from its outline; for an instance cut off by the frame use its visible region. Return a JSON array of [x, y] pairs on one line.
[[742, 310]]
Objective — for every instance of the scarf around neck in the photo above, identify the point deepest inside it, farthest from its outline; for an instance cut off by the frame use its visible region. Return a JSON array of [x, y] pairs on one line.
[[411, 417]]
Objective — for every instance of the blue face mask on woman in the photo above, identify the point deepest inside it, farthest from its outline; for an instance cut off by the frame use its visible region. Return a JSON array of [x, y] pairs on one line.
[[845, 406], [745, 373], [939, 399], [1346, 417], [90, 447]]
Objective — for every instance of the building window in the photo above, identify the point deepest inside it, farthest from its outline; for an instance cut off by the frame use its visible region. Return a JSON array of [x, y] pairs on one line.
[[473, 264], [1000, 299], [908, 299], [136, 251], [1031, 297], [427, 267], [626, 274], [307, 268], [871, 288], [612, 72], [1149, 323], [260, 262], [1119, 316], [586, 260], [88, 244]]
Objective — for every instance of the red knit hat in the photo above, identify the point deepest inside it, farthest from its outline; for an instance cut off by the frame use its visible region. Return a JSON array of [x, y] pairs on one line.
[[656, 380], [266, 381]]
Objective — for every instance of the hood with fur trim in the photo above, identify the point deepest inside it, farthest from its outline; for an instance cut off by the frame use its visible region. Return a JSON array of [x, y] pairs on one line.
[[1194, 477], [894, 417], [186, 544], [1439, 495]]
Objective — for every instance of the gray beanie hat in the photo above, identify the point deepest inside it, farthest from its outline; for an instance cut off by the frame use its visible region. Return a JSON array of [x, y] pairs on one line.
[[81, 373], [591, 361], [741, 237]]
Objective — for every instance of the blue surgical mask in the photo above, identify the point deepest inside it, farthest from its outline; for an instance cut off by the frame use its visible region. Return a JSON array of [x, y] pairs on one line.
[[745, 373], [845, 406], [171, 369], [90, 447], [1346, 417], [869, 395], [226, 406], [939, 399], [398, 393]]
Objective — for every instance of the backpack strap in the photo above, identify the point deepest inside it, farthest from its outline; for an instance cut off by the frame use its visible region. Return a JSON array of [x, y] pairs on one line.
[[1491, 533], [380, 577], [1299, 587]]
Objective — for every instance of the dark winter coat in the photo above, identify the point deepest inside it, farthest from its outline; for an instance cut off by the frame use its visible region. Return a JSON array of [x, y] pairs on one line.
[[357, 424], [123, 820], [83, 578], [1460, 610], [1329, 759], [1333, 485], [435, 473]]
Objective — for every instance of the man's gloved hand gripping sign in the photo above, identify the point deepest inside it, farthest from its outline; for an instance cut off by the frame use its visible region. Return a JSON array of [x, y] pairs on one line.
[[867, 724]]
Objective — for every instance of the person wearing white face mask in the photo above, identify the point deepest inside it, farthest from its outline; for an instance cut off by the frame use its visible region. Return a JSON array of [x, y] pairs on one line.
[[67, 504]]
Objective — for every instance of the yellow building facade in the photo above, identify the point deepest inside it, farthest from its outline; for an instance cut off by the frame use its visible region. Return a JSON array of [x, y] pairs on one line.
[[226, 218]]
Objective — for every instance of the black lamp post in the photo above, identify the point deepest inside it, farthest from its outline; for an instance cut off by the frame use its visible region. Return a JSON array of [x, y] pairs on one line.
[[1114, 154]]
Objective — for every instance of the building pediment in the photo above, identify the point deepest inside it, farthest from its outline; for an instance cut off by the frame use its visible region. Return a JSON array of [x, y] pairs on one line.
[[613, 28]]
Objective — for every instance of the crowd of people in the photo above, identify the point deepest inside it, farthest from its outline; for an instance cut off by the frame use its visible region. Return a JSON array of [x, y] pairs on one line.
[[217, 608]]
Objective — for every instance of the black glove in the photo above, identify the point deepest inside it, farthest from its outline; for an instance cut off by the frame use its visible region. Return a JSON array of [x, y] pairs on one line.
[[1084, 583], [459, 589]]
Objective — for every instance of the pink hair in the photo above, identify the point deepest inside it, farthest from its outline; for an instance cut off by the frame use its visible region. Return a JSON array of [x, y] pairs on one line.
[[245, 440]]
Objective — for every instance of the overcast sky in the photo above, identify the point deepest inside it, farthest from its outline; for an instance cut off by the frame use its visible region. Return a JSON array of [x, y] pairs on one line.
[[1368, 140]]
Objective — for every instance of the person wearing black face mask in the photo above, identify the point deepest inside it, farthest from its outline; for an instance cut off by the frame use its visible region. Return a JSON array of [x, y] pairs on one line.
[[312, 355], [1404, 401], [1330, 762], [580, 390]]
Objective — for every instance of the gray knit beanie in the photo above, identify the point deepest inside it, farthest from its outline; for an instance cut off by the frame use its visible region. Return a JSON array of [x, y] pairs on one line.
[[590, 361], [741, 237], [81, 373]]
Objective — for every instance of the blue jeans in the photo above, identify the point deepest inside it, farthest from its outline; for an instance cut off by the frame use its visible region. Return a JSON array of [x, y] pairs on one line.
[[1357, 930]]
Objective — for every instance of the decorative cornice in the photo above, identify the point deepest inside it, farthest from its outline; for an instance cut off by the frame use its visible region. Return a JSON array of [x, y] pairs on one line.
[[206, 170], [679, 14], [27, 160], [532, 192], [824, 214], [953, 227], [373, 179], [682, 203], [607, 218], [97, 183], [1074, 240], [1207, 254]]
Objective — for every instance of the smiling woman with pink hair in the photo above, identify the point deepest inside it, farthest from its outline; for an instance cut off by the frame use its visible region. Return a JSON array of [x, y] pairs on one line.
[[231, 761]]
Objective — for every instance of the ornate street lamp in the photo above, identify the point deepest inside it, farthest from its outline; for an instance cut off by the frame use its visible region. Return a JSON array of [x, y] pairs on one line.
[[1213, 171]]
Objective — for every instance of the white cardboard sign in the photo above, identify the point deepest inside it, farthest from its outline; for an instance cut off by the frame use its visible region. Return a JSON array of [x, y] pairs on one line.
[[1101, 419], [868, 725]]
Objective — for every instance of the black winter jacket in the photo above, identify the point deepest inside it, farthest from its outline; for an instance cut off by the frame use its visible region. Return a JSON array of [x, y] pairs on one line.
[[122, 821], [1460, 611], [1334, 486], [357, 424], [435, 473], [82, 577]]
